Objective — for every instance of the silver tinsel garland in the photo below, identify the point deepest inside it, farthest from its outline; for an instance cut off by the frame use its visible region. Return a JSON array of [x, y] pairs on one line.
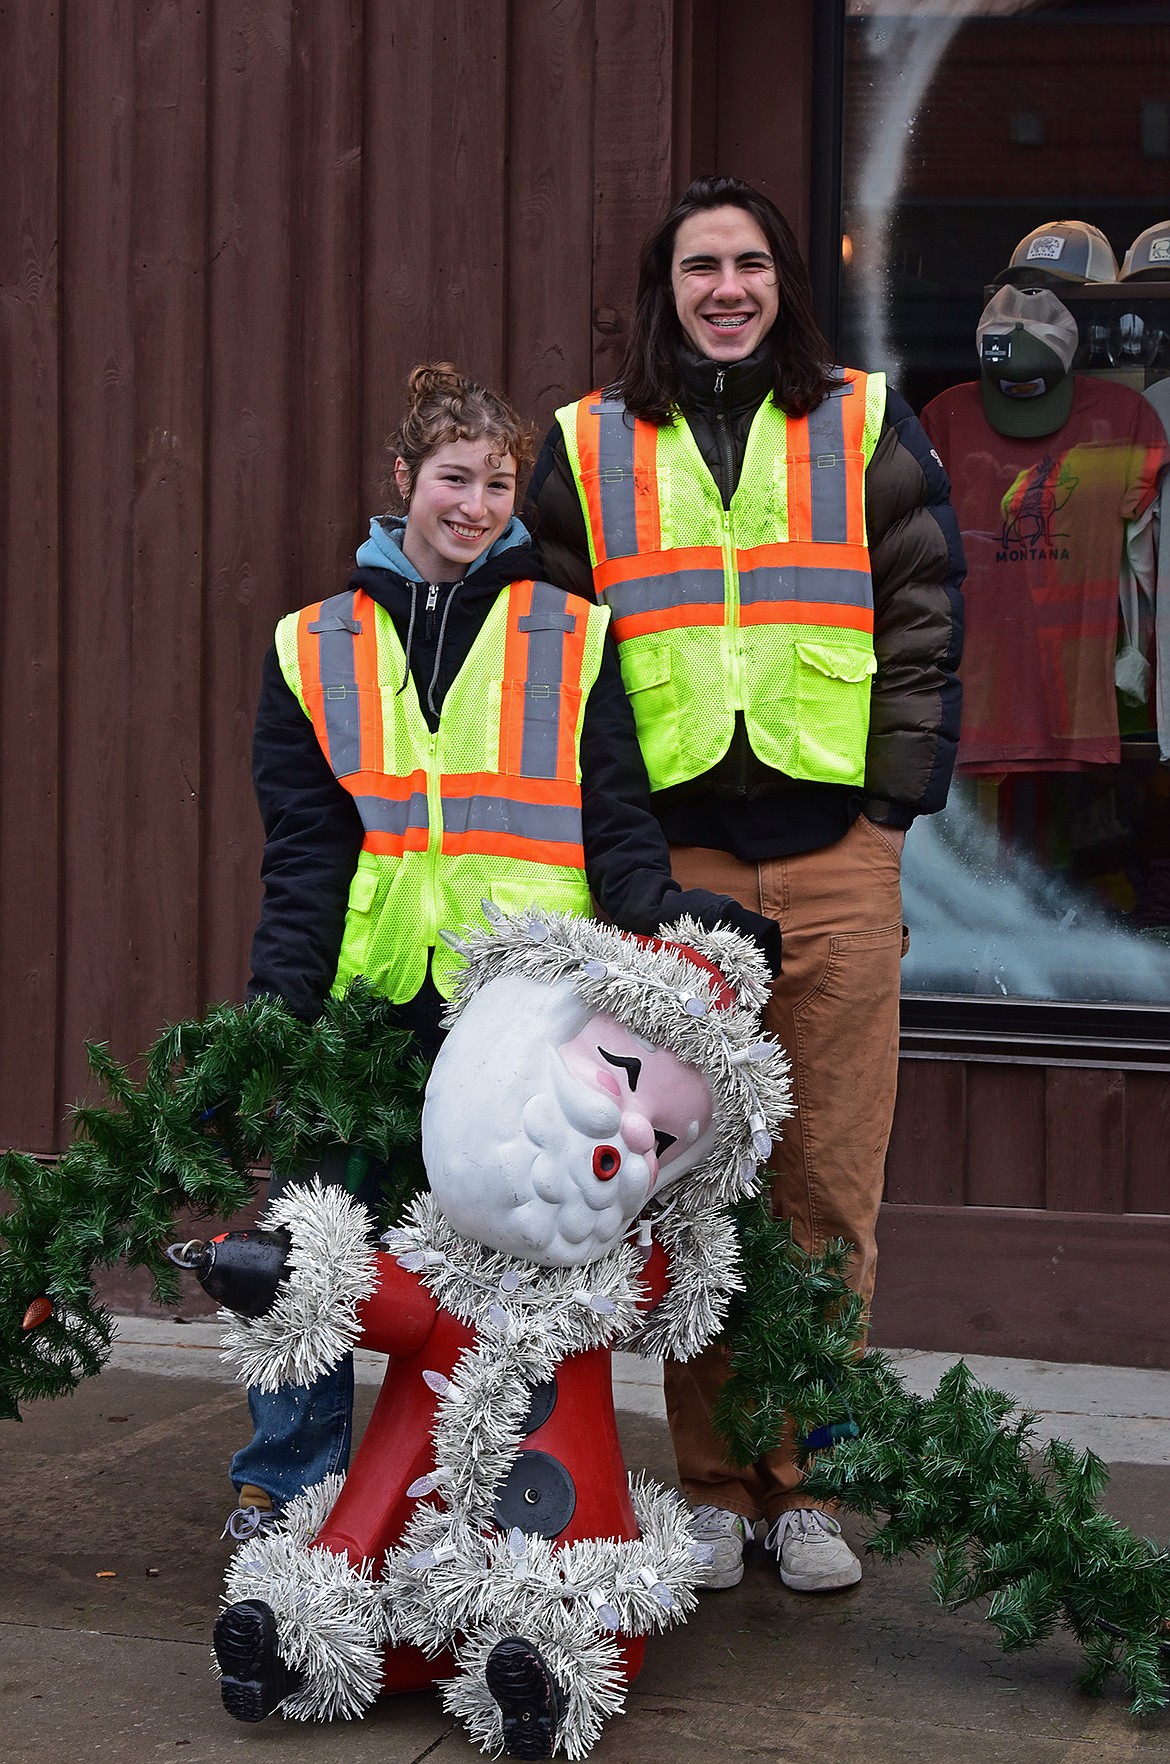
[[330, 1269]]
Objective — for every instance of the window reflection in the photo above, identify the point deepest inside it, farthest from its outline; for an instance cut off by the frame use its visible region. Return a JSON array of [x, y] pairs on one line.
[[1017, 144]]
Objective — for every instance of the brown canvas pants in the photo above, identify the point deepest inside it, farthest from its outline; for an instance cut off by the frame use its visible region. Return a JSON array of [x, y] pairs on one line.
[[835, 1010]]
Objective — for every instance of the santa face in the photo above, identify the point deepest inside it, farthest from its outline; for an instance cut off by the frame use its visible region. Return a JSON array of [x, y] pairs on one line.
[[546, 1128]]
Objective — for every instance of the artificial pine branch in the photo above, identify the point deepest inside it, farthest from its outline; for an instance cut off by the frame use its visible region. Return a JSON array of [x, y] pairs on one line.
[[221, 1093], [956, 1472]]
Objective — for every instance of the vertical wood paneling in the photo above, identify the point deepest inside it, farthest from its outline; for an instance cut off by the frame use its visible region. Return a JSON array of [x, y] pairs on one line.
[[696, 90], [165, 636], [253, 562], [1085, 1140], [925, 1162], [762, 49], [1147, 1142], [434, 203], [632, 159], [97, 570], [550, 214], [1005, 1129], [325, 450], [30, 46]]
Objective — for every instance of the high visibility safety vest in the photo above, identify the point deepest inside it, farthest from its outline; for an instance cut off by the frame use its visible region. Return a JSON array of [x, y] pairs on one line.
[[486, 808], [765, 608]]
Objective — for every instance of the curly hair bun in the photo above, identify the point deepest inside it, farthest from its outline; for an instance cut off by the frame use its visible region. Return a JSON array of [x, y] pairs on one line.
[[444, 405]]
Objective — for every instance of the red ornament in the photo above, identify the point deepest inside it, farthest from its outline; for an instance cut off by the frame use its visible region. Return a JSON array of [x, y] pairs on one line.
[[38, 1312]]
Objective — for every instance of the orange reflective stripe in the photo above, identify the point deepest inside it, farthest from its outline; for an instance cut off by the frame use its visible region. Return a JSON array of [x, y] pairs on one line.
[[804, 556], [799, 472], [515, 670], [807, 612], [376, 783], [384, 844], [671, 618], [572, 662], [365, 668], [854, 425], [534, 819], [646, 508], [544, 653], [589, 453], [680, 561], [345, 707], [513, 845], [557, 792]]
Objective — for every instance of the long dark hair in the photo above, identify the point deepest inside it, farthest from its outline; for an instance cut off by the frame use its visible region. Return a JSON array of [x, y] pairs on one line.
[[650, 378]]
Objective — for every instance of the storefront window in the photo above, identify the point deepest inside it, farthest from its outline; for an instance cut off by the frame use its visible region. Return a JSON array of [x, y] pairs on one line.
[[1006, 261]]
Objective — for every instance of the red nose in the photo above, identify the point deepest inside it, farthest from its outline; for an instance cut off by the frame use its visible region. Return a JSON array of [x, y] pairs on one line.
[[607, 1161]]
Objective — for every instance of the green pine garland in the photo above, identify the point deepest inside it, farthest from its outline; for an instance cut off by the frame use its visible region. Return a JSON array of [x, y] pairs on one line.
[[956, 1472], [237, 1087]]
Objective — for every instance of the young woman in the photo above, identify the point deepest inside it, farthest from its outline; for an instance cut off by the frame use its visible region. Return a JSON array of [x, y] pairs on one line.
[[447, 730]]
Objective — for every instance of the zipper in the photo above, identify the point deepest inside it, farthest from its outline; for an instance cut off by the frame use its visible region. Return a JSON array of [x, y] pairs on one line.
[[733, 653], [723, 443], [434, 839]]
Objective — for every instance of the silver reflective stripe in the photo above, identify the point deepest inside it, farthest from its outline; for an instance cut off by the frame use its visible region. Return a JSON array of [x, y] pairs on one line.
[[546, 626], [804, 582], [335, 629], [830, 512], [615, 456], [380, 814], [500, 814], [657, 593]]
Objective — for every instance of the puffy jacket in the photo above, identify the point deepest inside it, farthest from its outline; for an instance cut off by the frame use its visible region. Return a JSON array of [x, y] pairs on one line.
[[917, 563], [313, 832]]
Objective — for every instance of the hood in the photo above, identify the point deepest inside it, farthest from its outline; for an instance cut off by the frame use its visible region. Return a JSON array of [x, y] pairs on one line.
[[383, 549]]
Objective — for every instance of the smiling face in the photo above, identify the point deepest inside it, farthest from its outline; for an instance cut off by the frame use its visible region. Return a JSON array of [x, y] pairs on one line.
[[724, 283], [460, 502]]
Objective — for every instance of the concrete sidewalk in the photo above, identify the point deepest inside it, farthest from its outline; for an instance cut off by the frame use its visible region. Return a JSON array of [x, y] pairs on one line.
[[114, 1499]]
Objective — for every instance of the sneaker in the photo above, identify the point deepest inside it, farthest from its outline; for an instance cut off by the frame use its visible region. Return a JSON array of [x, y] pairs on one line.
[[530, 1700], [812, 1554], [255, 1513], [726, 1535]]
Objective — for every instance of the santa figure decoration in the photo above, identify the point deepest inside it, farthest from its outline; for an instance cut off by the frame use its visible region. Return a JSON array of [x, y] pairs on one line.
[[599, 1104]]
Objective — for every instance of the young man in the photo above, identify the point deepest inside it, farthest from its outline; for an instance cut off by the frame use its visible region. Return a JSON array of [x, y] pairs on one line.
[[774, 538]]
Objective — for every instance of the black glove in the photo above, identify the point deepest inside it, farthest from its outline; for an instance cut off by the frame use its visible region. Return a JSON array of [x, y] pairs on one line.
[[713, 910]]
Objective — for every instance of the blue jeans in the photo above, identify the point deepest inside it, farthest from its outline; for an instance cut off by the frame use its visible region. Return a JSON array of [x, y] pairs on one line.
[[303, 1433]]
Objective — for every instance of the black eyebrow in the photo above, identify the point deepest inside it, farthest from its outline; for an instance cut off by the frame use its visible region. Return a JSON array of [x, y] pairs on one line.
[[632, 1066], [697, 257]]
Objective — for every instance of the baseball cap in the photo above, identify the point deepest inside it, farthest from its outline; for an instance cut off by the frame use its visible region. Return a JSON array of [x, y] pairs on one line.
[[1149, 255], [1063, 251], [1027, 340]]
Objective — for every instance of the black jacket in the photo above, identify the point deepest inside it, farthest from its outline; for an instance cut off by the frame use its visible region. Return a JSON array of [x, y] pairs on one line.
[[313, 832], [916, 557]]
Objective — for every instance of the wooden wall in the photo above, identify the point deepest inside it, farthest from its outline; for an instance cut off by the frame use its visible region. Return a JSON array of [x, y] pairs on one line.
[[1027, 1211], [228, 228]]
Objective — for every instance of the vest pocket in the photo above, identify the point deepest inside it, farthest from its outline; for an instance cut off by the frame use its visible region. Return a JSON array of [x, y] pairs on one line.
[[534, 723], [653, 696], [833, 685]]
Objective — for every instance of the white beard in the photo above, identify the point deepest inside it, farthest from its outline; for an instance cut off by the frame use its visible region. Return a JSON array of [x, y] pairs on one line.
[[509, 1134]]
